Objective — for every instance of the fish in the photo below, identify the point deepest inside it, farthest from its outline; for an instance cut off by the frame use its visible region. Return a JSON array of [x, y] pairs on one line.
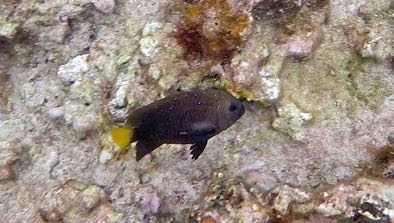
[[186, 117]]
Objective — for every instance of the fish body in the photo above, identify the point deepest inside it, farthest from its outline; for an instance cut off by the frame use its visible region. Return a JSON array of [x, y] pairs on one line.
[[184, 118]]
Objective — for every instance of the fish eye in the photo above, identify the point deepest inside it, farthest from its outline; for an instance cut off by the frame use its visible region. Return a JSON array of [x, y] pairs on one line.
[[233, 107]]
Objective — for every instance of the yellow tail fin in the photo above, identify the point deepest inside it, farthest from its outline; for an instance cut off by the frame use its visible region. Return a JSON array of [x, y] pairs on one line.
[[122, 137]]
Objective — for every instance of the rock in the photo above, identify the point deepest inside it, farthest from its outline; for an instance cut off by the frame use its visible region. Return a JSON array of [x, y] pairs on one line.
[[9, 29], [252, 214], [105, 213], [388, 172], [56, 112], [208, 219], [203, 31], [369, 48], [148, 45], [123, 99], [83, 119], [259, 180], [105, 156], [79, 108], [51, 216], [91, 197], [317, 218], [302, 46], [39, 218], [150, 38], [104, 6], [378, 41], [149, 201], [3, 117], [74, 201], [150, 28], [390, 138], [367, 198], [252, 71], [6, 173], [74, 69], [376, 45], [283, 11], [54, 216], [49, 37], [108, 148], [124, 194], [244, 70], [270, 84], [72, 110], [291, 121], [155, 73], [118, 107], [85, 124], [27, 92], [9, 152], [286, 196], [82, 91], [105, 176], [70, 63], [72, 10], [53, 161], [365, 11], [7, 50]]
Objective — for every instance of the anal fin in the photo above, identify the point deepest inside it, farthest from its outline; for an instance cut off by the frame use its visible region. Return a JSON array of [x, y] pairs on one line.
[[145, 147], [197, 149]]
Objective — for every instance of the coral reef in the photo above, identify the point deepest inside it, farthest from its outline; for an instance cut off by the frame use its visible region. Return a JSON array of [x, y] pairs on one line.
[[314, 145]]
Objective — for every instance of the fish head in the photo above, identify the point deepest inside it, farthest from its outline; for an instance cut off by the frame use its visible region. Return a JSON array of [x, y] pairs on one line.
[[229, 112]]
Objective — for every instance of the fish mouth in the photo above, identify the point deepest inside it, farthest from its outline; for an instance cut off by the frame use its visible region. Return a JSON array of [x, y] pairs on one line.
[[242, 111]]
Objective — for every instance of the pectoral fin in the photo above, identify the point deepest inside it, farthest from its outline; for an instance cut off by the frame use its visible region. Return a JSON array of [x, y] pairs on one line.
[[144, 147], [197, 149]]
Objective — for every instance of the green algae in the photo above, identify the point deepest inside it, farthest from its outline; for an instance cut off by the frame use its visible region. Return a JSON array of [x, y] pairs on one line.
[[374, 94], [113, 216], [268, 136], [316, 84], [331, 80], [365, 85], [9, 29], [91, 191], [82, 90], [305, 209], [131, 27], [291, 121]]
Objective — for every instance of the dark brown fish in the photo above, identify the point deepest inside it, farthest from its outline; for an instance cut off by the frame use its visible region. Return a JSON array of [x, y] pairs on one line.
[[184, 118]]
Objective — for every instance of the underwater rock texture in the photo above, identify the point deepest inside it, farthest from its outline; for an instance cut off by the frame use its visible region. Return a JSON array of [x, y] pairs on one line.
[[318, 76]]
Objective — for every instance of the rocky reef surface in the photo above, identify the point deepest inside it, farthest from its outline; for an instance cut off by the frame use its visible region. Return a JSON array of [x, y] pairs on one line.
[[316, 143]]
